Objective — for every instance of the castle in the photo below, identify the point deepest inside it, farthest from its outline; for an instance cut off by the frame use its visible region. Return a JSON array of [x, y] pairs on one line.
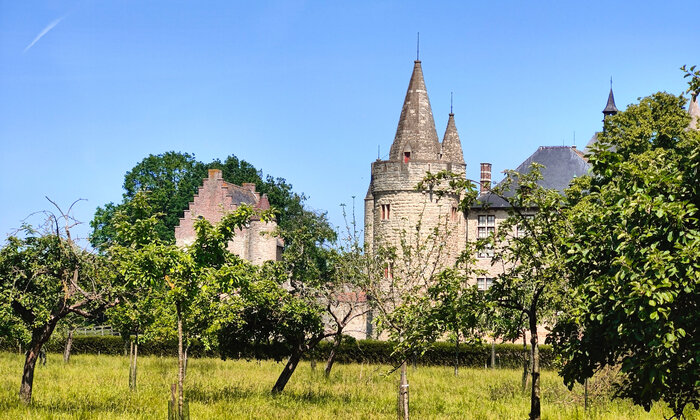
[[215, 197], [393, 205]]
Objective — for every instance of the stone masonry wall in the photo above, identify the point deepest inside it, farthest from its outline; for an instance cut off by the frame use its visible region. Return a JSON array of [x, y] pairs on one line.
[[394, 183]]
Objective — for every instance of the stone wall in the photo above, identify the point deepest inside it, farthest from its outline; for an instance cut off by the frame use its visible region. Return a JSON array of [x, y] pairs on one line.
[[394, 184]]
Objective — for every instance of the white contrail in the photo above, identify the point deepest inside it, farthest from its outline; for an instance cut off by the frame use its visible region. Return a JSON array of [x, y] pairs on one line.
[[44, 32]]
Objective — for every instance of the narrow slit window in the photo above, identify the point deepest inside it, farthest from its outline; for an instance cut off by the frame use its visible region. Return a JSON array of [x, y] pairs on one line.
[[386, 211], [406, 157]]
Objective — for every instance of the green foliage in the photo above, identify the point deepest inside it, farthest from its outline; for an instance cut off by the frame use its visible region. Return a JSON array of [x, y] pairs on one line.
[[265, 315], [526, 244], [45, 277], [634, 252]]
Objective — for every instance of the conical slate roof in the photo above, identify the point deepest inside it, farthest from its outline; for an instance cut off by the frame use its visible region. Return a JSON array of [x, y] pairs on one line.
[[610, 108], [694, 111], [451, 146], [416, 130]]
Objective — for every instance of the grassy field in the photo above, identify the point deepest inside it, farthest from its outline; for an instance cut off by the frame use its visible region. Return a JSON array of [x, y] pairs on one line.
[[96, 387]]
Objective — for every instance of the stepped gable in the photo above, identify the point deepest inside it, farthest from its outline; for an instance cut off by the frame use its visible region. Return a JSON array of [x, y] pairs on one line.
[[561, 165], [451, 145], [416, 137]]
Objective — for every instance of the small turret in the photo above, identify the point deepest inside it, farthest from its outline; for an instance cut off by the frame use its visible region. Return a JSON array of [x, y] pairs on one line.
[[451, 145], [610, 108]]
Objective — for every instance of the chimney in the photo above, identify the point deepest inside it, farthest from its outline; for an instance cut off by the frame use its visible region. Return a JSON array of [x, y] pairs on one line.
[[250, 186], [485, 182], [215, 174]]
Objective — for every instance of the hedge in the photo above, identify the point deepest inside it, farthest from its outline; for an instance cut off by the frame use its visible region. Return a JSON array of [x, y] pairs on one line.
[[350, 351], [114, 345], [440, 353]]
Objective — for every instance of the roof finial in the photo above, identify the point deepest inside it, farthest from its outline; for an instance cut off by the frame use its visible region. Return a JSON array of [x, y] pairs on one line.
[[418, 47], [610, 82], [451, 93]]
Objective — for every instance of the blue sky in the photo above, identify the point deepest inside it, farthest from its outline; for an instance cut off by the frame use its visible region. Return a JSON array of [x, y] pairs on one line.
[[307, 91]]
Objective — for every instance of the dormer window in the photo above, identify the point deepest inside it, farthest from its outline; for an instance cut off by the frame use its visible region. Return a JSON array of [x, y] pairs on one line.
[[406, 157]]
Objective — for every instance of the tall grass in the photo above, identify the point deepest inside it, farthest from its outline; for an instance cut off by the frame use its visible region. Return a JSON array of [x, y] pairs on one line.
[[96, 387]]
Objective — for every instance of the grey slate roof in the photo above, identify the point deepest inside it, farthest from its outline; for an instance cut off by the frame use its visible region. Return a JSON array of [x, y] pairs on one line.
[[240, 195], [561, 165]]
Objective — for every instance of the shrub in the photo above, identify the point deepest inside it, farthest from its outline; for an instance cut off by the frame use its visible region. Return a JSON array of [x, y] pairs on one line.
[[350, 351]]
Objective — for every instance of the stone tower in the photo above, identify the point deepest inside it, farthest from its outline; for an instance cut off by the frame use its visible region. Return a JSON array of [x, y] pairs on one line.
[[393, 204]]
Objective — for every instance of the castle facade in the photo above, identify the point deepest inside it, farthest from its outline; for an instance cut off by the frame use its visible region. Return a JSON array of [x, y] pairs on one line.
[[216, 197]]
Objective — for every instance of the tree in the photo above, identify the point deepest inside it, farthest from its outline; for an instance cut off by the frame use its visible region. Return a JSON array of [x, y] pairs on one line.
[[46, 277], [263, 313], [293, 304], [344, 293], [527, 245], [147, 261], [308, 269], [634, 254], [416, 298], [171, 178]]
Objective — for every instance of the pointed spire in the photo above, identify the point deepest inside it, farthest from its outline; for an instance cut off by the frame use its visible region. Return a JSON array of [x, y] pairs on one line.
[[416, 137], [694, 111], [610, 108], [451, 145]]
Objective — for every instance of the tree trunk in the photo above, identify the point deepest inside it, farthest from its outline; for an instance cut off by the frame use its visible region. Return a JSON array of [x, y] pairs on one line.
[[331, 356], [69, 344], [456, 355], [180, 363], [288, 370], [493, 354], [535, 395], [39, 338], [526, 357], [403, 394], [187, 358]]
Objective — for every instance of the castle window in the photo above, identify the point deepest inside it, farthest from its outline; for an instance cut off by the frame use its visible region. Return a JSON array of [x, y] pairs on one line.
[[486, 227], [484, 283], [386, 211], [406, 157], [453, 214]]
